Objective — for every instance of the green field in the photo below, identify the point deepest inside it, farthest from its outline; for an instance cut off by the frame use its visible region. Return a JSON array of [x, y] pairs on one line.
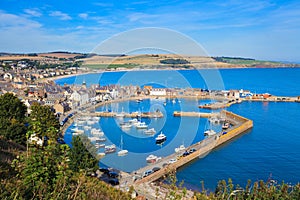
[[110, 66]]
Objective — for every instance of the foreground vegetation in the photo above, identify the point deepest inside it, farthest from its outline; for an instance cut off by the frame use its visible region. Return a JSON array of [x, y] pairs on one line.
[[56, 171]]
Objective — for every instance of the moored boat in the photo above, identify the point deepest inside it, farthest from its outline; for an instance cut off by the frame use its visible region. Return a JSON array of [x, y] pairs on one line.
[[141, 125], [110, 148], [226, 125], [209, 132], [160, 138], [150, 131], [152, 158], [122, 152], [126, 126], [97, 145], [102, 139], [180, 148]]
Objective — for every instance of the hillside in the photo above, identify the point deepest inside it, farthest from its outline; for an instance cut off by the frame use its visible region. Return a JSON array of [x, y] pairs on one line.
[[150, 61], [146, 61]]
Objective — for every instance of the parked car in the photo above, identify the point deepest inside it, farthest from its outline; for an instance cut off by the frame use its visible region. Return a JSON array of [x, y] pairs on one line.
[[191, 151], [147, 173], [104, 170], [155, 169], [114, 181], [172, 161], [185, 154], [113, 174]]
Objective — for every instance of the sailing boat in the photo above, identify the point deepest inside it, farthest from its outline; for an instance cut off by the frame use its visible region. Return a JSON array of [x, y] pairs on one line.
[[122, 114], [122, 152], [210, 131]]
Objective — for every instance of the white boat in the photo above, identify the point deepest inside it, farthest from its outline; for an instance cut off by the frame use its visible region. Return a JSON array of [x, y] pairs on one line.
[[97, 145], [76, 130], [152, 158], [180, 148], [100, 140], [160, 138], [96, 119], [165, 103], [122, 152], [133, 121], [209, 132], [76, 133], [110, 148], [226, 125], [121, 114], [93, 139], [150, 131], [173, 101], [101, 154], [87, 127], [126, 126], [141, 125], [214, 120], [97, 132], [91, 122]]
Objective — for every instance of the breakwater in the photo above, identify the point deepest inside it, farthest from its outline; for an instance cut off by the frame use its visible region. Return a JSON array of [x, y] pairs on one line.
[[202, 148]]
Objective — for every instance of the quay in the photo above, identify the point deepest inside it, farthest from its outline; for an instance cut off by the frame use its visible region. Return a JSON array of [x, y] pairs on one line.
[[240, 125], [194, 114]]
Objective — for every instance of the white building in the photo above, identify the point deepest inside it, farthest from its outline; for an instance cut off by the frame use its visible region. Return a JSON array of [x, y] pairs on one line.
[[158, 92], [80, 97]]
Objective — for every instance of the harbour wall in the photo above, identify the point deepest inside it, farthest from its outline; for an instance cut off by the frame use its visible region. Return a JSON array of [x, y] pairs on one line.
[[203, 147]]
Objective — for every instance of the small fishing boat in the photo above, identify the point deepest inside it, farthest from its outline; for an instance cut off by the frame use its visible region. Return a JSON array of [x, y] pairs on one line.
[[152, 158], [180, 148], [110, 148], [126, 126], [226, 125], [141, 125], [214, 120], [97, 145], [133, 121], [150, 131], [102, 139], [160, 138], [209, 132], [122, 152]]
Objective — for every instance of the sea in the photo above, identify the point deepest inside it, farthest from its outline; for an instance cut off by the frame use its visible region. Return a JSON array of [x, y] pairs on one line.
[[268, 151]]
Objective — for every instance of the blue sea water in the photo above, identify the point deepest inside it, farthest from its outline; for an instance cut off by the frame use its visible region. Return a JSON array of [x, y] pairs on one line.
[[270, 149]]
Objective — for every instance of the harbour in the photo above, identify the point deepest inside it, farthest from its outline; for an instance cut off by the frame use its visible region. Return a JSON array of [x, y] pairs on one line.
[[261, 106]]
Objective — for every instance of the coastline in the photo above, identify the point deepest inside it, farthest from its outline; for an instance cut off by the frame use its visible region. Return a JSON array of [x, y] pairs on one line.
[[164, 69]]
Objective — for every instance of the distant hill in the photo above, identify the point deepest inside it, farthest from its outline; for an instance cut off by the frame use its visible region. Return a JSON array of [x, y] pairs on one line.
[[148, 61]]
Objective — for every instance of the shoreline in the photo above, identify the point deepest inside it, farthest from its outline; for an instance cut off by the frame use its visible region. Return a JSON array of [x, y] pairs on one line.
[[165, 69]]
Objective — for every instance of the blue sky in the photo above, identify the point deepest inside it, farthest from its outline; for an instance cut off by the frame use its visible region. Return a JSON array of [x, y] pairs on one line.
[[258, 29]]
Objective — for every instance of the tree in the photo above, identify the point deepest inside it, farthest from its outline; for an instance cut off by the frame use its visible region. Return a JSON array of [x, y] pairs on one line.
[[12, 118], [83, 154], [44, 172], [42, 119]]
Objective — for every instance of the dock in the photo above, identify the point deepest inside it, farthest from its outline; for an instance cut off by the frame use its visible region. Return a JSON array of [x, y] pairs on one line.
[[240, 126], [194, 114]]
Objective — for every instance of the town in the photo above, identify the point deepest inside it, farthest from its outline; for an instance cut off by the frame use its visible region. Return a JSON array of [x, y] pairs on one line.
[[31, 85]]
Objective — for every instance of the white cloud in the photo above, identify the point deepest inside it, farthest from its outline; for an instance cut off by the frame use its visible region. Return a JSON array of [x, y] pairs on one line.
[[83, 15], [140, 16], [11, 21], [60, 15], [33, 12], [103, 4]]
